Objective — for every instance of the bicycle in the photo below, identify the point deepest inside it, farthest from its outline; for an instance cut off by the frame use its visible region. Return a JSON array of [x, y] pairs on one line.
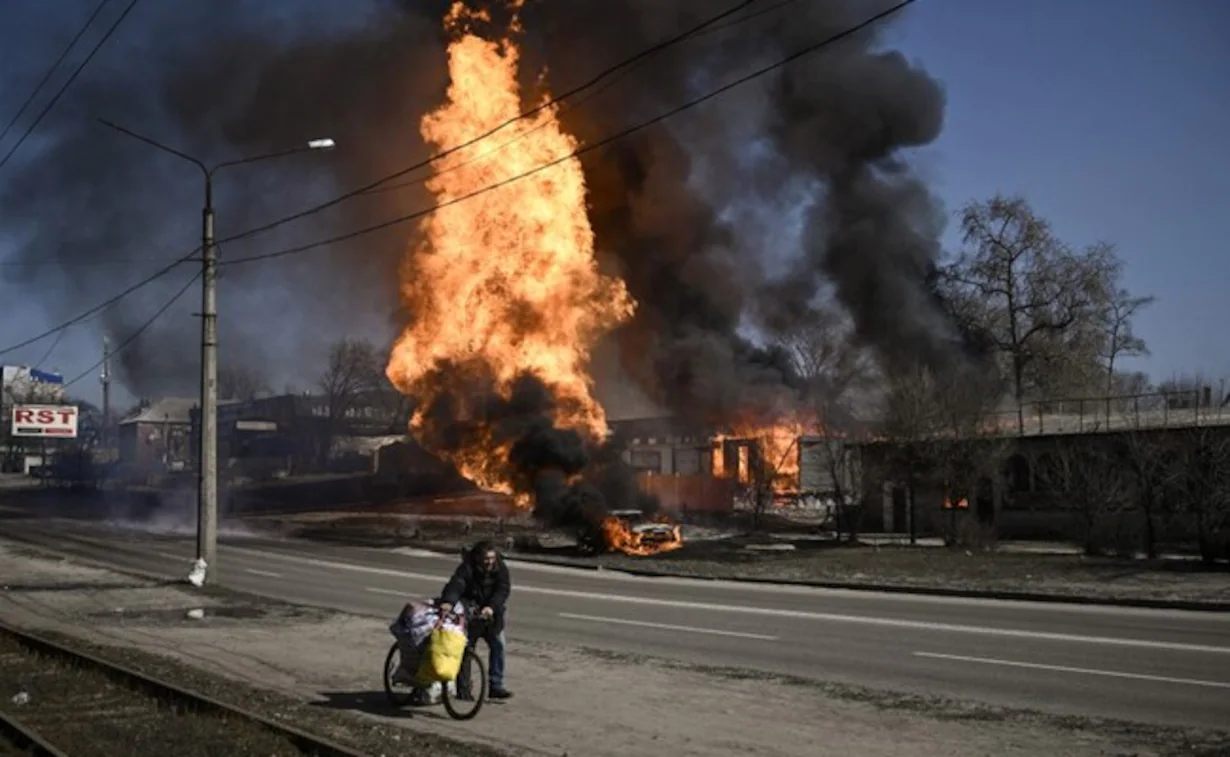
[[453, 693]]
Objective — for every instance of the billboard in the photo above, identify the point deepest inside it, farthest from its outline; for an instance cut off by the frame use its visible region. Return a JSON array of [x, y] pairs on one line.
[[55, 421]]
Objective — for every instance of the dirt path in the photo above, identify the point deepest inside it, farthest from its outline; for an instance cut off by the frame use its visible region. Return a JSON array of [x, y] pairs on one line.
[[568, 701]]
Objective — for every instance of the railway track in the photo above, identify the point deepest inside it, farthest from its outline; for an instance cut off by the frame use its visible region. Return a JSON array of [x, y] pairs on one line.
[[61, 702]]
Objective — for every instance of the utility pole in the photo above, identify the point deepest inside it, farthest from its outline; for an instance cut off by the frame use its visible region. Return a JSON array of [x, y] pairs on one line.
[[207, 468], [106, 392]]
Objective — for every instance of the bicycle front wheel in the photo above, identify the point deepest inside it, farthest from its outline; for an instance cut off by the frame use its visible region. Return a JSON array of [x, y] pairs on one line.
[[464, 697]]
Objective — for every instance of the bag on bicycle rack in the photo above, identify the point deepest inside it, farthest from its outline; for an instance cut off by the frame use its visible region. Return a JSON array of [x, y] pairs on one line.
[[441, 660], [412, 628]]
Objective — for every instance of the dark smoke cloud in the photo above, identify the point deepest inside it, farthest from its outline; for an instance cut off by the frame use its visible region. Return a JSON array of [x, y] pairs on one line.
[[221, 80], [835, 123], [571, 482], [671, 206]]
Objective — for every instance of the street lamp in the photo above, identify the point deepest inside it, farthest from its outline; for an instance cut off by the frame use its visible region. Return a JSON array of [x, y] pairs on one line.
[[207, 469]]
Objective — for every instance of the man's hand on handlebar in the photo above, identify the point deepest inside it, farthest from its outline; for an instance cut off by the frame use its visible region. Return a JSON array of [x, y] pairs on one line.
[[487, 613], [445, 608]]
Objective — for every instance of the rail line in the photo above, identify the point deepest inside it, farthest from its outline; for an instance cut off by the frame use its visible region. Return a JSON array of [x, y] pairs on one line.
[[18, 738], [170, 701]]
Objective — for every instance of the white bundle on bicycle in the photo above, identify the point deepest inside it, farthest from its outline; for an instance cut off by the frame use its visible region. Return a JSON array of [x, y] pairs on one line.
[[412, 628]]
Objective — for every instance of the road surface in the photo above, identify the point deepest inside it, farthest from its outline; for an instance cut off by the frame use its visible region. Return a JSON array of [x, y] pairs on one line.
[[1164, 667]]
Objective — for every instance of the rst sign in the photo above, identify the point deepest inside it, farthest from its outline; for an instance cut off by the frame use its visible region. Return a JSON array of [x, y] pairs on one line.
[[58, 421]]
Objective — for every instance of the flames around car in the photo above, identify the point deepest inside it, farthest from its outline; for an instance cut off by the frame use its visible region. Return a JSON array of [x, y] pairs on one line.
[[628, 531]]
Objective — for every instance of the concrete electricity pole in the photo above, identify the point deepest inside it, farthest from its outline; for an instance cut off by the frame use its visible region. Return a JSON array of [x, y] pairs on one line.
[[207, 467], [105, 378], [207, 511]]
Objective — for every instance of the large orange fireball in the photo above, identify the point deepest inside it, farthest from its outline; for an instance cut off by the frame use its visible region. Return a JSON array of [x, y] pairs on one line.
[[506, 280]]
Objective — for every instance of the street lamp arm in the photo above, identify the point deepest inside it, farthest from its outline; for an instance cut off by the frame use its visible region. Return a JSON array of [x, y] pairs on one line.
[[259, 158], [159, 145], [315, 144]]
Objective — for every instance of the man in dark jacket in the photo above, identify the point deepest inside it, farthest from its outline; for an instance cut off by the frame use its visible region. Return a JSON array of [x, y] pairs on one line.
[[482, 583]]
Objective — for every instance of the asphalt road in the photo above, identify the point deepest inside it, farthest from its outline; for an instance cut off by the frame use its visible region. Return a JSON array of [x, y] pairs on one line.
[[1165, 667]]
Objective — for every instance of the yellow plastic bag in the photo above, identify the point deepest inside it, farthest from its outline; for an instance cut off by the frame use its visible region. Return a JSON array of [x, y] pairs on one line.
[[442, 661]]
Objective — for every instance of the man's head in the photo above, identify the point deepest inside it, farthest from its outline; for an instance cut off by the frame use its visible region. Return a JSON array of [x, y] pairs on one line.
[[485, 556]]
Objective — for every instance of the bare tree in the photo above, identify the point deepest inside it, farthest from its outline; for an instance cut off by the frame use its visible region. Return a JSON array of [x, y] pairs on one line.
[[822, 348], [1093, 486], [944, 435], [1035, 297], [354, 370], [1119, 339], [1202, 484], [1153, 462], [910, 421], [240, 382], [840, 457]]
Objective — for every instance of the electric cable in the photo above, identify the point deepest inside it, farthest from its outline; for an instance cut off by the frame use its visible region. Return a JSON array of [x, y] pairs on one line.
[[64, 87], [43, 82], [582, 150], [101, 306], [139, 331], [500, 127], [568, 107]]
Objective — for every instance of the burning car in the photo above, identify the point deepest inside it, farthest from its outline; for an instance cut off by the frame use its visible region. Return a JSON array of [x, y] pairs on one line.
[[633, 533]]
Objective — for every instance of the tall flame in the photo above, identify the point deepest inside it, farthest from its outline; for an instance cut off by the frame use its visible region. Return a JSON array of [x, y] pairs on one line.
[[507, 279]]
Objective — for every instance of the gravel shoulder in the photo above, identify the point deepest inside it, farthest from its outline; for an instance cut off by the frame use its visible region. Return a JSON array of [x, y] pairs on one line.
[[323, 668], [785, 558]]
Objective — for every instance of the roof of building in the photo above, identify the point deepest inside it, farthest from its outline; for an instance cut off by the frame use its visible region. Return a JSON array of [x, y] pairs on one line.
[[165, 410]]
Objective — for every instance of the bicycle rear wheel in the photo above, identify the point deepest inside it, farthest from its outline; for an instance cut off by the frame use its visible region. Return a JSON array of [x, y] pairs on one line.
[[464, 697], [398, 694]]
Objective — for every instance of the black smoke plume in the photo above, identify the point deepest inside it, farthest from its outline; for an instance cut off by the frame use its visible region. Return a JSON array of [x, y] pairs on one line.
[[571, 483]]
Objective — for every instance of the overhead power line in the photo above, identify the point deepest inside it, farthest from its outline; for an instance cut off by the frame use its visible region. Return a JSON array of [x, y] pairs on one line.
[[64, 87], [140, 330], [626, 66], [55, 343], [412, 216], [571, 106], [526, 114], [101, 306], [582, 150], [57, 262], [43, 82]]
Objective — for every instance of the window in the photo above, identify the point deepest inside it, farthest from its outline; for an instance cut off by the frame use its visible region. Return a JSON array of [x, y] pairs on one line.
[[648, 460]]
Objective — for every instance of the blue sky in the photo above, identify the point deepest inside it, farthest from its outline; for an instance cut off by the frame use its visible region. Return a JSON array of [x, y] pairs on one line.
[[1110, 116]]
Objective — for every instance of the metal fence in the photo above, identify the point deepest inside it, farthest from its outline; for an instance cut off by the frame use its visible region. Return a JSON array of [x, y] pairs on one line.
[[1088, 415]]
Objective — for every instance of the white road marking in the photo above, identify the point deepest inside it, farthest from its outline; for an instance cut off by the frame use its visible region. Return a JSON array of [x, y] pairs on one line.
[[774, 612], [267, 573], [1068, 669], [668, 627], [770, 589]]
